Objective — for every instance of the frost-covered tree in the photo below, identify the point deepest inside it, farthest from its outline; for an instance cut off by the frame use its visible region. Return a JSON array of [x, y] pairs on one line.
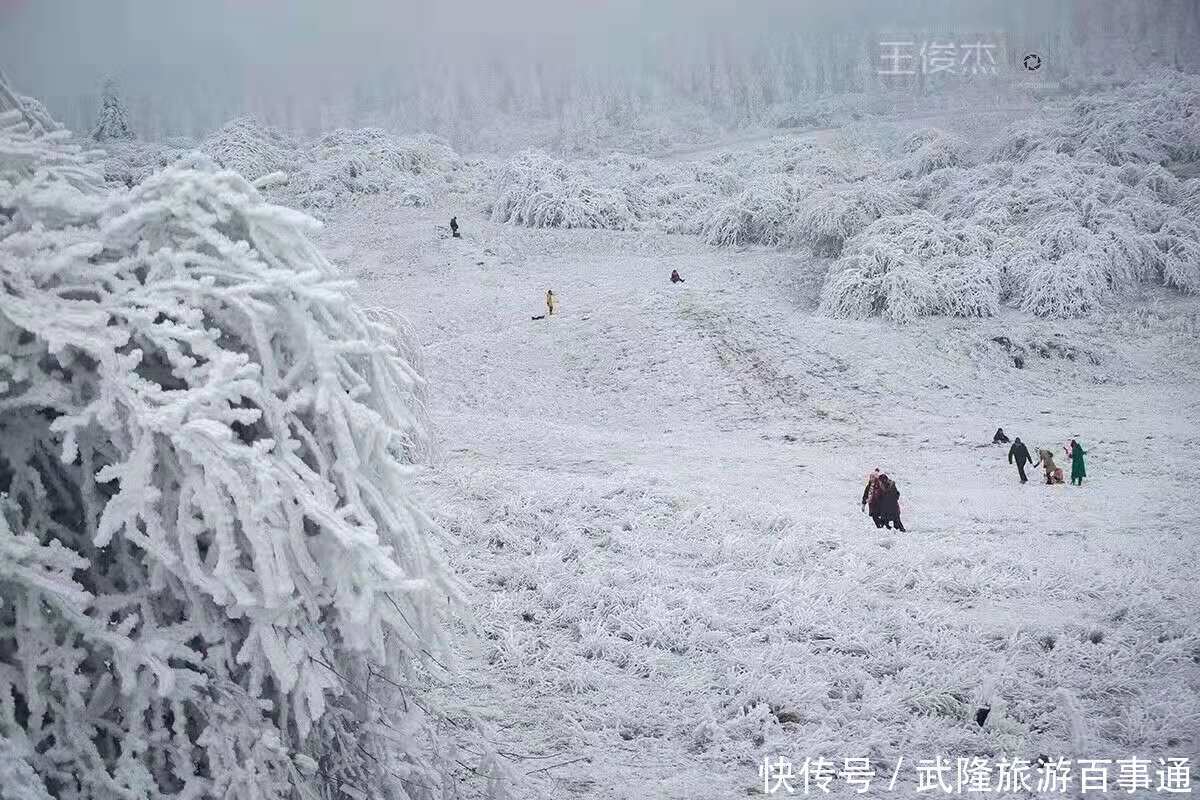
[[112, 121], [213, 579]]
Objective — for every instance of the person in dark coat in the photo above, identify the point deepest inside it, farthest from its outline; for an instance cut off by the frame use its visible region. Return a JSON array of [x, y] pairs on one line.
[[1019, 454], [870, 498], [454, 227], [675, 276], [1076, 453], [999, 438], [888, 504]]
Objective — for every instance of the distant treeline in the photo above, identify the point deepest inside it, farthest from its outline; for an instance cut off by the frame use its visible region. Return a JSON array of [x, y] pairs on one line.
[[731, 62]]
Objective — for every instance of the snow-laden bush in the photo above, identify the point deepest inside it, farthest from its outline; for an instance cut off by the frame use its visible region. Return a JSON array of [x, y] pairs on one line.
[[1148, 122], [927, 150], [1189, 198], [538, 191], [213, 581], [1026, 138], [680, 207], [715, 179], [828, 217], [128, 163], [914, 265], [761, 214], [249, 148], [348, 163], [1052, 214]]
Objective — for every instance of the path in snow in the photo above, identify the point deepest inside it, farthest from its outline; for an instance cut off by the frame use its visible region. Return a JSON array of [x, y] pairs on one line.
[[654, 501]]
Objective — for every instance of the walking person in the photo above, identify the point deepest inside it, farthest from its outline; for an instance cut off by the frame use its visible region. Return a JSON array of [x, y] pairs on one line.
[[1019, 454], [870, 498], [1076, 453], [889, 503], [454, 227], [551, 302]]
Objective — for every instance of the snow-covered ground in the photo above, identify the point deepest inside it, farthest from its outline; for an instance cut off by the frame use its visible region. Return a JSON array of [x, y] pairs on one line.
[[654, 500]]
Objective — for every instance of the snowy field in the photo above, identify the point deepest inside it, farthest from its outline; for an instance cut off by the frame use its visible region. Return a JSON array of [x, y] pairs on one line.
[[654, 499], [301, 497]]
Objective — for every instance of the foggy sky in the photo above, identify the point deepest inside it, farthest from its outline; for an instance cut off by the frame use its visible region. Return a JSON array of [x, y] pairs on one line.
[[188, 65]]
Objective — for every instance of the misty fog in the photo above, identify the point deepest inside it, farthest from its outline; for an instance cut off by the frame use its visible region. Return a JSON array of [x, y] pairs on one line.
[[455, 69]]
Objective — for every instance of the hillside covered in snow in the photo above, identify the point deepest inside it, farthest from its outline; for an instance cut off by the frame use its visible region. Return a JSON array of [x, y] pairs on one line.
[[304, 496]]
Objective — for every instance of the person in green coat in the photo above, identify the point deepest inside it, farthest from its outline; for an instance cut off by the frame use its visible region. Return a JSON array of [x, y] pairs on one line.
[[1078, 473]]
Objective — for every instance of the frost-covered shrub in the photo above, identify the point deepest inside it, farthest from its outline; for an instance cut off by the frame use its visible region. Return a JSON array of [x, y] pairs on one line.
[[827, 218], [715, 179], [1189, 198], [538, 191], [680, 207], [928, 150], [212, 579], [128, 163], [1118, 225], [1149, 122], [1069, 286], [249, 148], [338, 166], [1028, 137], [761, 214], [914, 265], [348, 163]]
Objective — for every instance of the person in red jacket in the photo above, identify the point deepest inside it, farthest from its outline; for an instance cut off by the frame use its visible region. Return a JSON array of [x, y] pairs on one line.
[[870, 497]]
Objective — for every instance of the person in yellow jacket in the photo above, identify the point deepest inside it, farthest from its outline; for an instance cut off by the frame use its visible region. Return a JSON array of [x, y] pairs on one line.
[[551, 302]]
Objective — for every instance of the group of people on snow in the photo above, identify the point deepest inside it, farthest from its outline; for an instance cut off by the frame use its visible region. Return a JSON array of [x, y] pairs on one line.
[[551, 298], [1018, 454], [881, 499]]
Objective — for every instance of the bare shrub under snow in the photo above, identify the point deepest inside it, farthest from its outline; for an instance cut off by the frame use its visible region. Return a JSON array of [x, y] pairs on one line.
[[207, 540]]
